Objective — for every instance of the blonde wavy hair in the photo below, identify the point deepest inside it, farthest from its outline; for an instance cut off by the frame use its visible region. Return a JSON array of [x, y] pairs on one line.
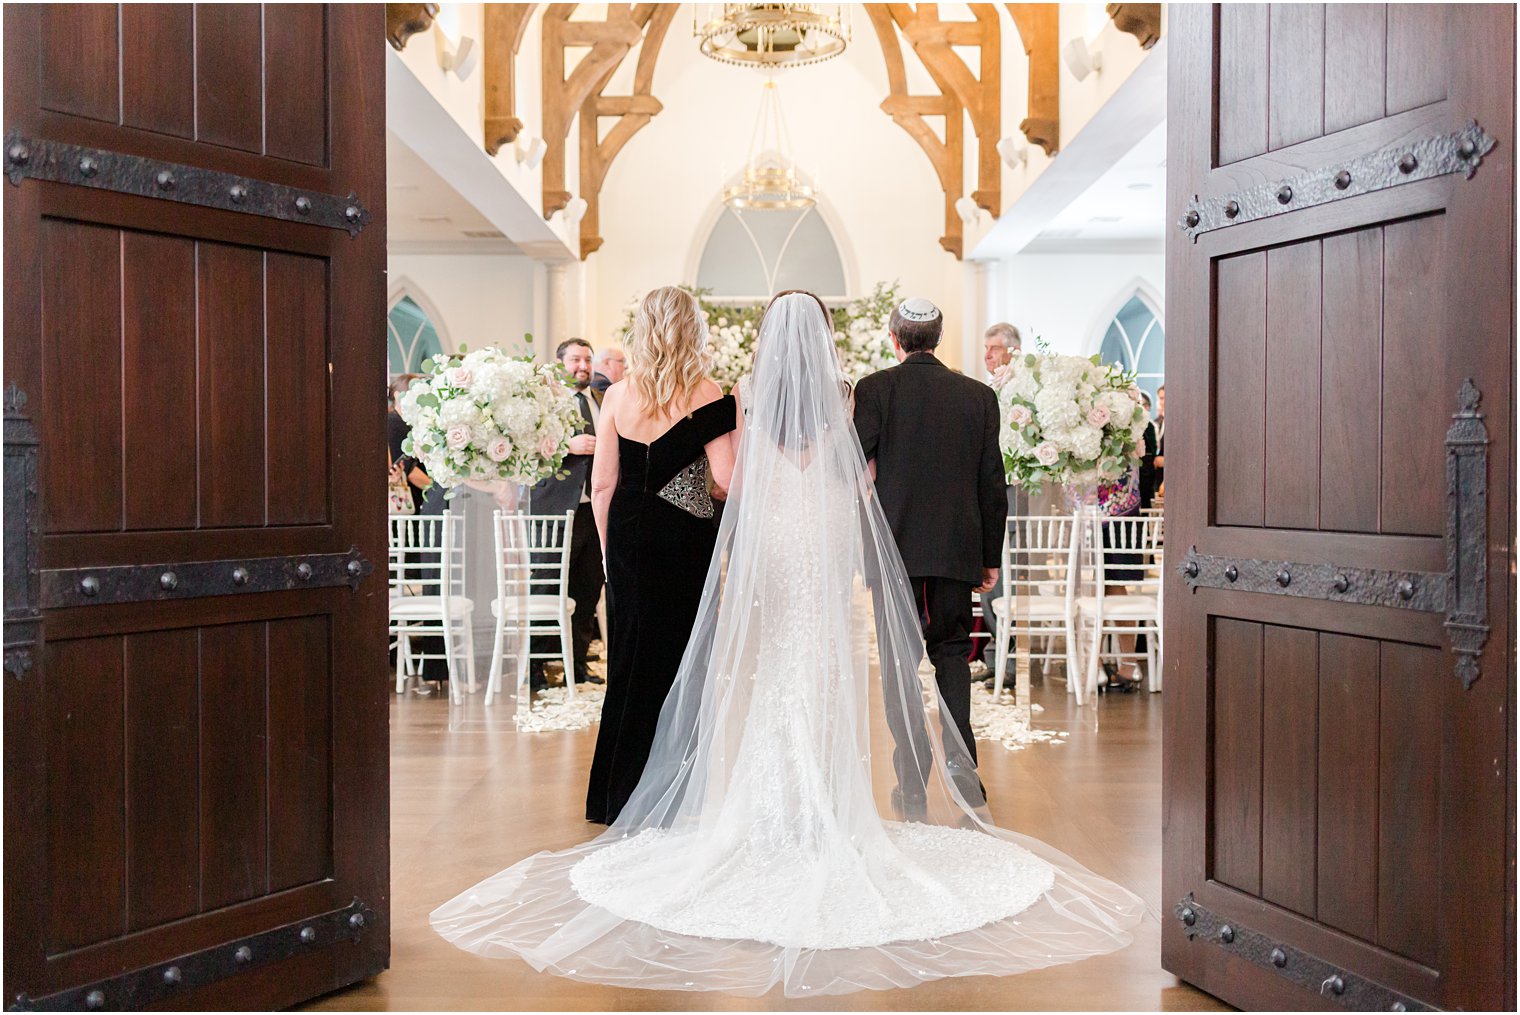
[[667, 349]]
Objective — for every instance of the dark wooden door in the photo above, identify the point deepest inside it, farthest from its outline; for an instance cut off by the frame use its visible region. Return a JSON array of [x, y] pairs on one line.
[[1339, 755], [196, 806]]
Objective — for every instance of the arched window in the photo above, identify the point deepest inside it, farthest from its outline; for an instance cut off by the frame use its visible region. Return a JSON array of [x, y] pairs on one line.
[[751, 255], [1137, 341], [412, 336]]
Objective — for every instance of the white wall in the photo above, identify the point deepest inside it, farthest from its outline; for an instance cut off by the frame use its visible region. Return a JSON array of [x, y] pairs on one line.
[[1068, 299], [475, 299]]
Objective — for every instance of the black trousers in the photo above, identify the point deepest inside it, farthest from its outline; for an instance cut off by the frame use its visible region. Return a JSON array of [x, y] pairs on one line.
[[944, 610], [586, 579], [944, 614]]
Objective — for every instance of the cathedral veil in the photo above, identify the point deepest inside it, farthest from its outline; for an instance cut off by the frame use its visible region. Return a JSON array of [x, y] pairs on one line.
[[804, 819]]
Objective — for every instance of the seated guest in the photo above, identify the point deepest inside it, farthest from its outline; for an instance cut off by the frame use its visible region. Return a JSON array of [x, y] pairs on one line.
[[402, 465], [1148, 458], [1160, 439], [607, 368]]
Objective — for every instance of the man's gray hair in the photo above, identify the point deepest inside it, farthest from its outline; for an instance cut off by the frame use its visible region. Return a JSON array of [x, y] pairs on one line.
[[600, 356], [1009, 333]]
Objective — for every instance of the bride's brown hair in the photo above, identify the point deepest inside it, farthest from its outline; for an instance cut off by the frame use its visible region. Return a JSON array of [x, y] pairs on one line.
[[828, 317], [828, 321]]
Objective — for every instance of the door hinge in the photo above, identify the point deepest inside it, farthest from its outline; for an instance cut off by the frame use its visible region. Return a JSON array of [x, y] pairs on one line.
[[41, 159], [1456, 152], [1292, 964], [162, 982], [136, 583]]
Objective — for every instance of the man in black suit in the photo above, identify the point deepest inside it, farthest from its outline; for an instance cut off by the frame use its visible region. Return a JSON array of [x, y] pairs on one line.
[[931, 438], [573, 493]]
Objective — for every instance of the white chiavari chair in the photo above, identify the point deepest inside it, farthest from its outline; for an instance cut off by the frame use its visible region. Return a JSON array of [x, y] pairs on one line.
[[1103, 616], [427, 583], [532, 593], [1037, 597]]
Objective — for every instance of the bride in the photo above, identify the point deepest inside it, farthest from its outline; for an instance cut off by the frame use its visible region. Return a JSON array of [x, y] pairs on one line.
[[761, 846]]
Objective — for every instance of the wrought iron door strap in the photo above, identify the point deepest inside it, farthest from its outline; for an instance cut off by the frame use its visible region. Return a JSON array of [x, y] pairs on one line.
[[170, 181], [1457, 152], [1413, 590], [1467, 534], [133, 583], [1292, 964], [159, 983], [23, 527]]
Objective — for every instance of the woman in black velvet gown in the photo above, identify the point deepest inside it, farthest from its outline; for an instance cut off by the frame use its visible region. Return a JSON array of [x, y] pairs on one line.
[[663, 450]]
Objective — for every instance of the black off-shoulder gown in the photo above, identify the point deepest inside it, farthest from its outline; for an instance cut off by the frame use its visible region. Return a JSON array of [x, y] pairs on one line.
[[657, 559]]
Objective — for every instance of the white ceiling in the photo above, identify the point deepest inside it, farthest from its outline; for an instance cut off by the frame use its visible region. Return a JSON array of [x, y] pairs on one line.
[[1126, 205], [423, 209]]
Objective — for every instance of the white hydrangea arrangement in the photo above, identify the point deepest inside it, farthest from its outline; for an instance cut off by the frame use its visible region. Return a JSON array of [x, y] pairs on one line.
[[1068, 420], [731, 346], [485, 416], [864, 343]]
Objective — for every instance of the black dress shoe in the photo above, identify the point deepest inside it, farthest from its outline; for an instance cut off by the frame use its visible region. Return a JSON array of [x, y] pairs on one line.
[[588, 678], [912, 808]]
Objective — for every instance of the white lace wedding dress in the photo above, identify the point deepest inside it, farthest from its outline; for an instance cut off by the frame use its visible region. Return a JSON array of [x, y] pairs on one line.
[[755, 850]]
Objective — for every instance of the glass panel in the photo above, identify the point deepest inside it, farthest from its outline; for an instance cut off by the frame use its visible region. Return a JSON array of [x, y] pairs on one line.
[[730, 267], [807, 258], [1137, 341], [812, 261], [771, 228], [412, 337]]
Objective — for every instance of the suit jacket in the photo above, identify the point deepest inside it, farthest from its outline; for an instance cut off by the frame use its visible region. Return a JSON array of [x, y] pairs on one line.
[[556, 496], [939, 470]]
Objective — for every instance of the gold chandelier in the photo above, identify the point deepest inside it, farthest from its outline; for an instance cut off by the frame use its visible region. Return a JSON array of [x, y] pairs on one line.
[[770, 181], [772, 36]]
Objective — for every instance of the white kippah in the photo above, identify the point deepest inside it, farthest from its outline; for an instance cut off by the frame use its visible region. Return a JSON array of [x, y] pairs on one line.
[[917, 309]]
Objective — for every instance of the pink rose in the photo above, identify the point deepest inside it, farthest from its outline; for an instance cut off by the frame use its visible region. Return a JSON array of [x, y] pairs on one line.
[[547, 447], [460, 376], [1098, 416], [1020, 415], [1046, 454], [499, 449], [458, 436]]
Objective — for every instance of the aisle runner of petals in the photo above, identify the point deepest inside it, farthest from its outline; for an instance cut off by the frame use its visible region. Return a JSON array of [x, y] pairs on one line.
[[997, 722], [1006, 723], [554, 710]]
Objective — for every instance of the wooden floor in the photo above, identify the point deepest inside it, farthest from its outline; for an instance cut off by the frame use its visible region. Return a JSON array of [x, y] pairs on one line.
[[470, 796]]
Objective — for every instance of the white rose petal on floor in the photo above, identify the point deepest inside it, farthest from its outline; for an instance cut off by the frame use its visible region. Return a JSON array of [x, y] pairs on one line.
[[554, 709], [1006, 723]]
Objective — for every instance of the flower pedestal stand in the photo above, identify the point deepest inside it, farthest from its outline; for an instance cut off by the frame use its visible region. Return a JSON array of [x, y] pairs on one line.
[[1086, 535]]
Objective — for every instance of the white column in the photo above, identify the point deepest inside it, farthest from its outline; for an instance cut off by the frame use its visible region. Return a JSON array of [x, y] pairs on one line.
[[575, 309], [559, 301], [975, 279]]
